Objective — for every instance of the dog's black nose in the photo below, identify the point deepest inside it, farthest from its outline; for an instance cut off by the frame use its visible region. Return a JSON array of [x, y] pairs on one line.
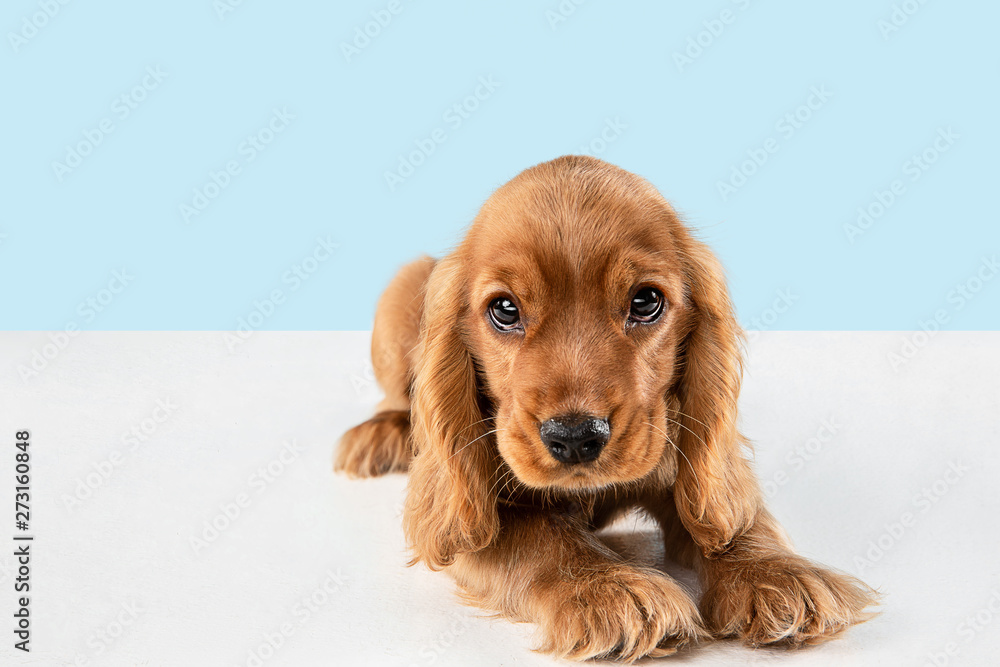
[[575, 439]]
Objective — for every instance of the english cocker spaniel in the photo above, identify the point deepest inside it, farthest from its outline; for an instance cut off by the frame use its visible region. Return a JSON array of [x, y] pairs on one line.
[[575, 357]]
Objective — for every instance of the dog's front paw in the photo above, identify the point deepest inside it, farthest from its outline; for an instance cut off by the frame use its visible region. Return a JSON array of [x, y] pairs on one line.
[[622, 613], [783, 600], [376, 447]]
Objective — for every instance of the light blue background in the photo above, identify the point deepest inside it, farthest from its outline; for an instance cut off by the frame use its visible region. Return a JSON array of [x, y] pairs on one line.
[[324, 175]]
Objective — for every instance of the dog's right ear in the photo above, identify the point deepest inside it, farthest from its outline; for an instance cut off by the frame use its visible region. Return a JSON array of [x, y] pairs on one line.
[[717, 495], [449, 505]]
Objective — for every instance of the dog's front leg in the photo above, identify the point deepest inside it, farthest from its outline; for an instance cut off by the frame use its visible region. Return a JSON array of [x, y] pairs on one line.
[[756, 587], [546, 567], [759, 590]]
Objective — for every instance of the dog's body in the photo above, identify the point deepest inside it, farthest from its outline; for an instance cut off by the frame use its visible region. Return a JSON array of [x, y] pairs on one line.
[[577, 356]]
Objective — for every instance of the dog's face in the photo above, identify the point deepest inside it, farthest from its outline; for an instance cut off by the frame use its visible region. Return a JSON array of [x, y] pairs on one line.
[[576, 307], [582, 327]]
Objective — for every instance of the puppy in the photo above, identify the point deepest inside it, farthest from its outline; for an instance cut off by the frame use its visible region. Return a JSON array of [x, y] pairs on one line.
[[575, 357]]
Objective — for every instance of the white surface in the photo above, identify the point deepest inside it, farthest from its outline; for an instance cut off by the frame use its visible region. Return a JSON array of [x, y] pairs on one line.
[[129, 542]]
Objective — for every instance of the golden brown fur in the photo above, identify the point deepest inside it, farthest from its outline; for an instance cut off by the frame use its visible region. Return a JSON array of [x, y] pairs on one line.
[[570, 240]]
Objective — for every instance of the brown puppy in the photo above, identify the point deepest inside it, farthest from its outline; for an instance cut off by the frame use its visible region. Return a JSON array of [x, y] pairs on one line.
[[575, 357]]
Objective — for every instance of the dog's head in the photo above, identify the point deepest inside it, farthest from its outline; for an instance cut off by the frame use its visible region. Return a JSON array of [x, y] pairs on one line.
[[581, 329]]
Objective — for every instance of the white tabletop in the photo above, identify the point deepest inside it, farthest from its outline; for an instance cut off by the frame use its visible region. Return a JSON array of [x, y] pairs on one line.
[[315, 563]]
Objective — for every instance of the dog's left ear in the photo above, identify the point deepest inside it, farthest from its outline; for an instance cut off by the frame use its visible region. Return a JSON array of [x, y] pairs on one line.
[[717, 495], [450, 508]]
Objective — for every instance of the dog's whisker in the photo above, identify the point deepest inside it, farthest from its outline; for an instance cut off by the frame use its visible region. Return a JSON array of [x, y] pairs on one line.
[[700, 439], [496, 430], [507, 477], [672, 444], [462, 432], [684, 414], [500, 477], [508, 485], [503, 489], [509, 481]]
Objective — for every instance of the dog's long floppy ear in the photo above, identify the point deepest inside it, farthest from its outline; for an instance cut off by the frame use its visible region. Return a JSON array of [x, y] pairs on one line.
[[717, 496], [449, 505]]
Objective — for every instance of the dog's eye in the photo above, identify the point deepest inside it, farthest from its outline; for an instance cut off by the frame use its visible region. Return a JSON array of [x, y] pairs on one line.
[[504, 314], [647, 305]]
